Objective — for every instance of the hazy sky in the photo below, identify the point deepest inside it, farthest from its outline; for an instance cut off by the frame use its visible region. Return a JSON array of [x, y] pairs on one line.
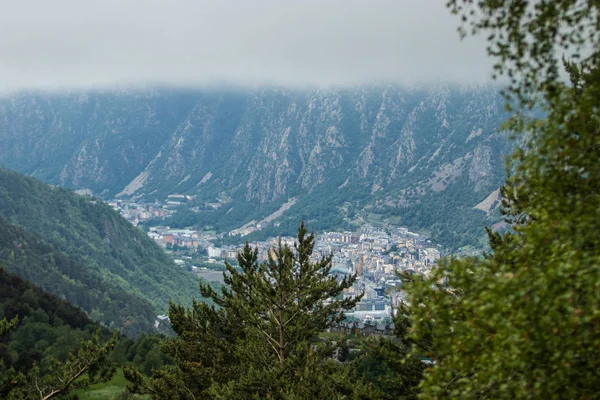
[[56, 44]]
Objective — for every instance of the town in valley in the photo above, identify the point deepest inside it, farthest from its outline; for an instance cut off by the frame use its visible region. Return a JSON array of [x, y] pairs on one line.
[[376, 254]]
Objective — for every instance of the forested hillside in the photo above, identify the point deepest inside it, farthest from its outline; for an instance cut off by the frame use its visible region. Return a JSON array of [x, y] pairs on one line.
[[425, 154], [82, 250], [45, 332], [47, 327]]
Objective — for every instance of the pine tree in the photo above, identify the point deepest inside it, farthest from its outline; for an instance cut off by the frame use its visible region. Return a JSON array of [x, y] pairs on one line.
[[260, 337], [289, 299]]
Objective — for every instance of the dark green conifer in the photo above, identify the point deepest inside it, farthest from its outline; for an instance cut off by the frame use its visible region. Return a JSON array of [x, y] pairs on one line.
[[260, 338]]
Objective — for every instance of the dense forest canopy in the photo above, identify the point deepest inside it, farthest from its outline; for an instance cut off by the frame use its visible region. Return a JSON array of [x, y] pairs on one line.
[[45, 339], [39, 344]]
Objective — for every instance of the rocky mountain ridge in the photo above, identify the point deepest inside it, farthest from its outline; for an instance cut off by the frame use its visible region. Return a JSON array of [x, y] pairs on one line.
[[379, 149]]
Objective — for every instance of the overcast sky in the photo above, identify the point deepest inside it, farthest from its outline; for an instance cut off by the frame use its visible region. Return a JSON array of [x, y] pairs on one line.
[[56, 44]]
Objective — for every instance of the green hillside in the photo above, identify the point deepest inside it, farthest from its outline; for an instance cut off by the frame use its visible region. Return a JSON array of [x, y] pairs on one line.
[[48, 326], [80, 249]]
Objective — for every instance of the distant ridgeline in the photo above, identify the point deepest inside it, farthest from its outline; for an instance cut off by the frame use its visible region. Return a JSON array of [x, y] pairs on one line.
[[81, 250], [430, 158]]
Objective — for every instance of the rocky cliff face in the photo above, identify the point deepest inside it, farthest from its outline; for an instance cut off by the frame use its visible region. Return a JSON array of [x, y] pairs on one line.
[[388, 147]]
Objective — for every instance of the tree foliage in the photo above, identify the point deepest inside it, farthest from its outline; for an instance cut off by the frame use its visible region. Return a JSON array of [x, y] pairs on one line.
[[50, 348], [259, 338], [528, 39], [388, 369], [6, 325], [523, 322], [80, 369]]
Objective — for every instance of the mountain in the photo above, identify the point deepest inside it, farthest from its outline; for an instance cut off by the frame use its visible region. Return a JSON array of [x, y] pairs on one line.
[[82, 250], [426, 156]]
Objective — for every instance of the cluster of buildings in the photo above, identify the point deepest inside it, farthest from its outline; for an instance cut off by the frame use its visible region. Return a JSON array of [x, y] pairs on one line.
[[137, 212], [169, 238], [375, 254]]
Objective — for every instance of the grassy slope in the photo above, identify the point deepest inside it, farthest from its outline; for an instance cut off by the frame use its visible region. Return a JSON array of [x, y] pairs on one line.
[[105, 390]]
